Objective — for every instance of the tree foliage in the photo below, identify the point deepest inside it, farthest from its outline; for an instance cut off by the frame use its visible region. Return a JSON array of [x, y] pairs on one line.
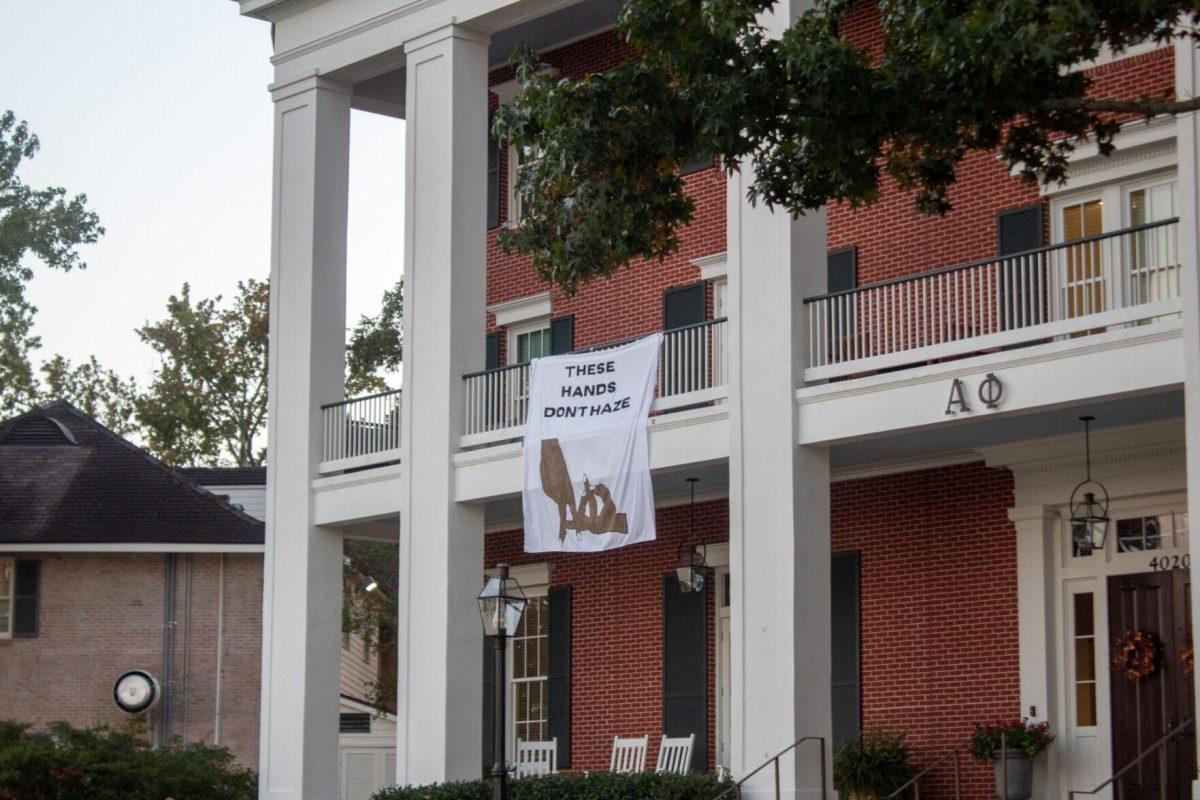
[[207, 401], [36, 225], [99, 763], [376, 345], [819, 118], [95, 390]]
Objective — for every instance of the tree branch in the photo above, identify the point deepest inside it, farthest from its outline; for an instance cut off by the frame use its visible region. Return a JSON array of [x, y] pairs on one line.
[[1144, 106]]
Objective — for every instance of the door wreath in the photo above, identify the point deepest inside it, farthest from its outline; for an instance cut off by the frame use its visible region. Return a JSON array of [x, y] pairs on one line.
[[1136, 655]]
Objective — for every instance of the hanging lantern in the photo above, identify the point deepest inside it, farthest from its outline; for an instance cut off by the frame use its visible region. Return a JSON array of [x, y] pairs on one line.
[[501, 604], [1089, 502], [690, 567]]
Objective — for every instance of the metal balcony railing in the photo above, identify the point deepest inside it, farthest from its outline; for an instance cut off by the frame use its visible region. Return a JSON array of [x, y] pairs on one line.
[[1126, 277], [692, 369], [360, 432]]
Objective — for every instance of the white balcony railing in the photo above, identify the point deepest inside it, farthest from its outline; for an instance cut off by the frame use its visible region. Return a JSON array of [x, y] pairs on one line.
[[692, 370], [360, 432], [1126, 277]]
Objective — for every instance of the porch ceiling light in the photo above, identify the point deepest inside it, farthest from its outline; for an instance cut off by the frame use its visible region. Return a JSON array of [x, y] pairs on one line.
[[501, 603], [690, 567], [1089, 501]]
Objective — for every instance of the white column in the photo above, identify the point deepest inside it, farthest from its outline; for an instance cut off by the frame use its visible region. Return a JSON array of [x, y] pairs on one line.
[[1187, 130], [1035, 629], [302, 589], [440, 694], [778, 494]]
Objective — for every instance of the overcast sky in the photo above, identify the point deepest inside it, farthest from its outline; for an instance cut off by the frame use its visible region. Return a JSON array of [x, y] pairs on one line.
[[158, 111]]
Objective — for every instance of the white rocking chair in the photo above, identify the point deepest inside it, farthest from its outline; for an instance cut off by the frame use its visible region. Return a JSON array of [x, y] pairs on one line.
[[675, 755], [536, 758], [629, 755]]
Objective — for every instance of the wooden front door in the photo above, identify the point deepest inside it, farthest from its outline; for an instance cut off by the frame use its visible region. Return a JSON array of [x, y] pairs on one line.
[[1143, 711]]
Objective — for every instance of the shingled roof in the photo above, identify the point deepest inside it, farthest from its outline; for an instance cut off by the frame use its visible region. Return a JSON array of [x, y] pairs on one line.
[[227, 476], [65, 478]]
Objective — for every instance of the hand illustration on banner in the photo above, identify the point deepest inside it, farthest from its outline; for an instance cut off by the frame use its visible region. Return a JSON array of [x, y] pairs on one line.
[[587, 473]]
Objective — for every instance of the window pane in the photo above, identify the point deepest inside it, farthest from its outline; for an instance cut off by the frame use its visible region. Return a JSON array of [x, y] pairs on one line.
[[1084, 625], [1085, 704], [1085, 659], [5, 613], [5, 578]]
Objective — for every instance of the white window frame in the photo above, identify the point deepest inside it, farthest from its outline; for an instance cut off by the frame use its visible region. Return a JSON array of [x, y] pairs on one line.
[[510, 705], [515, 331], [10, 564]]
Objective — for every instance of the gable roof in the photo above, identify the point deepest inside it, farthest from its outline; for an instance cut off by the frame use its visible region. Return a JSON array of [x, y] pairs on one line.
[[101, 489], [227, 476]]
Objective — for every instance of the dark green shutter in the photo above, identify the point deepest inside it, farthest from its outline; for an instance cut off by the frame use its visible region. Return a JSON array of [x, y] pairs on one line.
[[489, 701], [1017, 231], [684, 305], [26, 597], [559, 678], [493, 183], [492, 351], [685, 666], [841, 269], [846, 648], [562, 334]]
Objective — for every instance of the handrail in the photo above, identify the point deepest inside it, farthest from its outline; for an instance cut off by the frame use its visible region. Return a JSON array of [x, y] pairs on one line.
[[737, 787], [347, 401], [915, 781], [596, 347], [1162, 756], [993, 259]]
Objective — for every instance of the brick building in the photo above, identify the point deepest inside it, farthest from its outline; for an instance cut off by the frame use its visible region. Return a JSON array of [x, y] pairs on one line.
[[111, 561], [882, 410]]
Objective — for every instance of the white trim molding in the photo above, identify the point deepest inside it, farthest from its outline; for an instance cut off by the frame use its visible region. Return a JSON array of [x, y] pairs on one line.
[[523, 309], [529, 576], [712, 267]]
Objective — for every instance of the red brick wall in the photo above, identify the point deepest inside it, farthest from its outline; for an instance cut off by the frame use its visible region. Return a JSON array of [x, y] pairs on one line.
[[101, 615], [894, 240], [939, 606], [939, 624], [629, 304], [617, 631]]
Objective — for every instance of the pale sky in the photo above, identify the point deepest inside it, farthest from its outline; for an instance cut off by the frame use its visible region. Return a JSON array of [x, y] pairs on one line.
[[158, 111]]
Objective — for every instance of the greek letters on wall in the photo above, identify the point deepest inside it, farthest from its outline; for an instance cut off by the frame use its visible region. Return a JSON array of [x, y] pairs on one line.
[[587, 470], [990, 392]]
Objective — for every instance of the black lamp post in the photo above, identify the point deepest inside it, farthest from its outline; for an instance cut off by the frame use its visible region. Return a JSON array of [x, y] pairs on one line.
[[1089, 516], [501, 604]]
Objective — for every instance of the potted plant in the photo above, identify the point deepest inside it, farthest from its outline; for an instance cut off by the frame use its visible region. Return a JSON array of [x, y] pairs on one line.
[[872, 767], [1012, 746]]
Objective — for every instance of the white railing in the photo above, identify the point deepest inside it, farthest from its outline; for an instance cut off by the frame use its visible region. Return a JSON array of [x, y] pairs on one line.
[[1126, 277], [692, 370], [360, 432]]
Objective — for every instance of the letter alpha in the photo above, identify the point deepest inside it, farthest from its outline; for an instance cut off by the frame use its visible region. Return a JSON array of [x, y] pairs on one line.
[[956, 398]]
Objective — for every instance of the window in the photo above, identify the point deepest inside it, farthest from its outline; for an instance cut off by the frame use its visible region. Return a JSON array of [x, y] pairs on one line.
[[516, 200], [529, 672], [1084, 279], [1153, 266], [7, 584], [1142, 533], [1084, 678], [529, 342]]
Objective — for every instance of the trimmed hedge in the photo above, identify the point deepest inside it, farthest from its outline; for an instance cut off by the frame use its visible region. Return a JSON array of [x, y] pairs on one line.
[[573, 786], [102, 764]]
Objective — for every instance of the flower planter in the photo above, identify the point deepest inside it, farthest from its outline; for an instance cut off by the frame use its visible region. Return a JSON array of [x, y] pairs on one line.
[[1020, 775]]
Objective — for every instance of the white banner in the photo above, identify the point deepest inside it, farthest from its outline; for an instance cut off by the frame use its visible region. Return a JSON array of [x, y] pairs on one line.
[[587, 468]]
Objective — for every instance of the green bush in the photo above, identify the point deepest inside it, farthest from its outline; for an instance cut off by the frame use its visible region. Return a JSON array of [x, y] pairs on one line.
[[874, 765], [572, 786], [102, 764]]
